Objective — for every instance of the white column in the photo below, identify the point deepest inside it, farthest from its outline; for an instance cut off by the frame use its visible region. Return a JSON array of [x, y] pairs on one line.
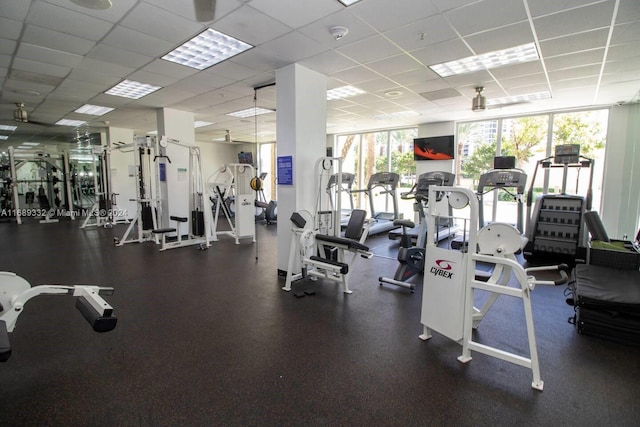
[[301, 103]]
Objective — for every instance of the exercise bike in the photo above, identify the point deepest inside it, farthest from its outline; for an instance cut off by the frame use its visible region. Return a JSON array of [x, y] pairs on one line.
[[411, 259]]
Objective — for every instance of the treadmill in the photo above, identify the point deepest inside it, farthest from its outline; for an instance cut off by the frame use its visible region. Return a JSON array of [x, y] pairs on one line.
[[387, 184], [344, 187], [420, 192]]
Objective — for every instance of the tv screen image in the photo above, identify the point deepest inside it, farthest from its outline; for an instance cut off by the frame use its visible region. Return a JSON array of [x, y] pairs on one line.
[[434, 148], [245, 158]]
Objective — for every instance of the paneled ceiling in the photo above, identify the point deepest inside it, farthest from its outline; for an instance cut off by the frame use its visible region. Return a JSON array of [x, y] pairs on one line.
[[56, 56]]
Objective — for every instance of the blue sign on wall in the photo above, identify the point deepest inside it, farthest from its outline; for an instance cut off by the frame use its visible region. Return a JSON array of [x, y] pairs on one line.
[[285, 170]]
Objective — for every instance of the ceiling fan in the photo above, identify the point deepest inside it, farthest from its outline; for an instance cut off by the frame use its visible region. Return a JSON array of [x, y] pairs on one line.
[[205, 10], [20, 115], [229, 140], [479, 102]]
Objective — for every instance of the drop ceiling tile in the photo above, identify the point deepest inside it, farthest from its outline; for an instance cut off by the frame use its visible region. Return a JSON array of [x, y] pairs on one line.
[[92, 76], [575, 72], [355, 75], [394, 65], [160, 23], [114, 55], [442, 52], [13, 85], [622, 52], [16, 10], [57, 18], [152, 78], [370, 49], [93, 65], [627, 76], [202, 82], [626, 33], [165, 97], [376, 85], [293, 47], [75, 89], [50, 56], [547, 7], [483, 16], [501, 38], [295, 13], [574, 43], [10, 29], [48, 69], [55, 40], [251, 26], [7, 47], [169, 69], [135, 41], [420, 34], [118, 9], [574, 21], [583, 82], [588, 57], [516, 82], [628, 11], [328, 62], [419, 75], [259, 60], [233, 71], [319, 30], [629, 64], [113, 101], [385, 15]]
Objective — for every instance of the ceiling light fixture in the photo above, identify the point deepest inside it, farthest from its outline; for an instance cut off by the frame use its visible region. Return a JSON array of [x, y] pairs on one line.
[[7, 127], [518, 99], [132, 89], [94, 110], [500, 58], [206, 49], [94, 4], [199, 124], [3, 137], [250, 112], [67, 122], [343, 92], [348, 3], [479, 103]]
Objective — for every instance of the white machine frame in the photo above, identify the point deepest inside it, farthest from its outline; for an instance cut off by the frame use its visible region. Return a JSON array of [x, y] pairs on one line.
[[151, 187], [233, 180], [322, 230], [15, 292], [450, 283]]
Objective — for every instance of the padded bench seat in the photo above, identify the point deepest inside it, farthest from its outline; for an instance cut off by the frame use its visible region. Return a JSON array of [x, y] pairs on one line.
[[350, 244]]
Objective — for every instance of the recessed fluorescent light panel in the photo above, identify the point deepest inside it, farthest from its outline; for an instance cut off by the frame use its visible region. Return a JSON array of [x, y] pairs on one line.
[[343, 92], [132, 89], [348, 2], [32, 144], [7, 127], [94, 110], [250, 112], [3, 137], [487, 61], [200, 124], [206, 49], [517, 99], [66, 122]]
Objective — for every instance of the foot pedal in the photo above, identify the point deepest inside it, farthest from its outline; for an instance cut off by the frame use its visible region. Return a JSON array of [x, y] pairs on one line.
[[298, 294]]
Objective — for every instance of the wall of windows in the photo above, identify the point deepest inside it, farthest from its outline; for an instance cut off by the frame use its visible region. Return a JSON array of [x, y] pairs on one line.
[[529, 139], [364, 154]]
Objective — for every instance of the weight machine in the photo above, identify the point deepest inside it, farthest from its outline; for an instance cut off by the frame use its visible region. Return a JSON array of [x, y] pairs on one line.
[[450, 283], [15, 292], [556, 227], [233, 181], [147, 183], [102, 210], [318, 250], [175, 187]]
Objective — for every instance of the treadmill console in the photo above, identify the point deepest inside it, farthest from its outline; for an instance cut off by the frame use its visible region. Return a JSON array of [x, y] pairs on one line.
[[390, 179], [499, 178]]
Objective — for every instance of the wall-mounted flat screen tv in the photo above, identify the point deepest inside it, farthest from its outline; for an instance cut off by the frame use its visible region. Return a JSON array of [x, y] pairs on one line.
[[246, 158], [434, 148]]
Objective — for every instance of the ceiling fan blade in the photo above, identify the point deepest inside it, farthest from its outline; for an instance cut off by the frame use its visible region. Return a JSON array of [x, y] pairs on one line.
[[205, 10]]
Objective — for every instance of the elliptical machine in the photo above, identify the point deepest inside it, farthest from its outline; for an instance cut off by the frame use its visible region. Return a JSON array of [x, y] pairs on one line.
[[411, 259]]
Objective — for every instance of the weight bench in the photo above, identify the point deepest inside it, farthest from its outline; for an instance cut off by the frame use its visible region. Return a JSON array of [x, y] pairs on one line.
[[163, 232]]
